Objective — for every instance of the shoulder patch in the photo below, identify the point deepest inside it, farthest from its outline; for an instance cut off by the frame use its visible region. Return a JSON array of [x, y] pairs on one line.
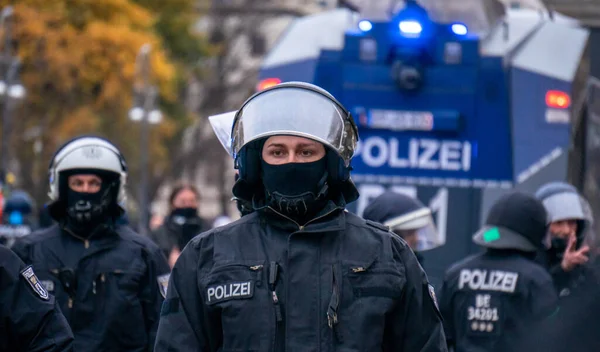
[[378, 225], [35, 283], [163, 284]]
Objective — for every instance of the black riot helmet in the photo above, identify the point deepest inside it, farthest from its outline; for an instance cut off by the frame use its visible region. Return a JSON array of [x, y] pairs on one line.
[[517, 221], [404, 213]]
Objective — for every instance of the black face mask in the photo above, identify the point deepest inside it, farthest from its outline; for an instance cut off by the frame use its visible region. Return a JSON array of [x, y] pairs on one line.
[[187, 224], [184, 213], [297, 190], [86, 211], [558, 247]]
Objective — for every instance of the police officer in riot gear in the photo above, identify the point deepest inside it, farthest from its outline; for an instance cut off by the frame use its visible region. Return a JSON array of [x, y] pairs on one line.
[[567, 256], [30, 319], [298, 273], [576, 325], [109, 281], [491, 301], [408, 218]]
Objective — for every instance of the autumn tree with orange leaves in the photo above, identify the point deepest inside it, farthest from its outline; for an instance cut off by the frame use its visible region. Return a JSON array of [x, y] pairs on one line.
[[78, 67]]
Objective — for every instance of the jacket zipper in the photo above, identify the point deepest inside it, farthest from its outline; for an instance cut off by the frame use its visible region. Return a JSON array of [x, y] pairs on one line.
[[86, 241], [228, 266], [332, 310], [273, 275], [273, 278]]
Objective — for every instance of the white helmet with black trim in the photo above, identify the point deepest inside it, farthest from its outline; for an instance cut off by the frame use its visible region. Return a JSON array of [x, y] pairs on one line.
[[87, 153]]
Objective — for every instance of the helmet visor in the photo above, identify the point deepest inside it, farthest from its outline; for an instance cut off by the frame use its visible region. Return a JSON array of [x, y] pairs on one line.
[[295, 112], [221, 125], [418, 223]]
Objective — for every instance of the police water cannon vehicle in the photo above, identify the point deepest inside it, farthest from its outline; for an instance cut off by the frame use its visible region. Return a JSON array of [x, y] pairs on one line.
[[457, 101]]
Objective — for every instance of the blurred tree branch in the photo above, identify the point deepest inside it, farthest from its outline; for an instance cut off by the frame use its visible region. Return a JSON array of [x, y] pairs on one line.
[[78, 68]]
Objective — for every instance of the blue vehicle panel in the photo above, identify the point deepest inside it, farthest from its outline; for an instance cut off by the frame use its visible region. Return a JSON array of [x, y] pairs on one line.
[[452, 116]]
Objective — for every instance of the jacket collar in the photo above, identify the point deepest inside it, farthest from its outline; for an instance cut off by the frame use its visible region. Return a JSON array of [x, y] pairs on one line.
[[330, 219]]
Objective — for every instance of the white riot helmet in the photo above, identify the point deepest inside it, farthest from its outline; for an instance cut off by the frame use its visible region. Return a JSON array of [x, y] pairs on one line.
[[293, 109], [87, 153]]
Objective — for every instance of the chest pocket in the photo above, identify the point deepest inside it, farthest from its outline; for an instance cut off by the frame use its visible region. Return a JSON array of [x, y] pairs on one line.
[[118, 284], [237, 294], [369, 292], [117, 295]]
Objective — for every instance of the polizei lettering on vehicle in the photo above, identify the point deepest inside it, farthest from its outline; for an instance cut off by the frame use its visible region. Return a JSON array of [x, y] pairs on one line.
[[484, 280], [225, 292], [425, 154]]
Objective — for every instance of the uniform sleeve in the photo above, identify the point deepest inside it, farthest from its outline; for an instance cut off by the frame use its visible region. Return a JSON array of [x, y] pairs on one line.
[[154, 291], [542, 297], [545, 321], [35, 322], [415, 324], [446, 308], [185, 324]]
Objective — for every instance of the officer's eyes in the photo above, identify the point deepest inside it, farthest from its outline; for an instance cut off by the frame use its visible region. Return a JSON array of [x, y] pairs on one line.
[[307, 153], [277, 152]]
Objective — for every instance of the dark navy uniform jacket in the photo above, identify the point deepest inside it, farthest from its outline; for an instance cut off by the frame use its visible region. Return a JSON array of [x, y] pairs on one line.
[[493, 301], [30, 319], [264, 283], [110, 287], [576, 325]]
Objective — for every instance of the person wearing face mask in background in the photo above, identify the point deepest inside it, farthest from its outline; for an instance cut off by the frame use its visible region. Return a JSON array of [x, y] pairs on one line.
[[299, 273], [182, 223], [109, 281], [575, 326], [408, 218], [567, 256]]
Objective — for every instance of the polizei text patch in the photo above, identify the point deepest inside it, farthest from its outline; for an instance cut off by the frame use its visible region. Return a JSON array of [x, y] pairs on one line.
[[228, 291], [484, 280]]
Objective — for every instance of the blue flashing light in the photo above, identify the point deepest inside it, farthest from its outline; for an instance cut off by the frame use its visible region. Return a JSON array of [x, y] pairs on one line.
[[412, 28], [459, 29], [365, 25], [15, 218]]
